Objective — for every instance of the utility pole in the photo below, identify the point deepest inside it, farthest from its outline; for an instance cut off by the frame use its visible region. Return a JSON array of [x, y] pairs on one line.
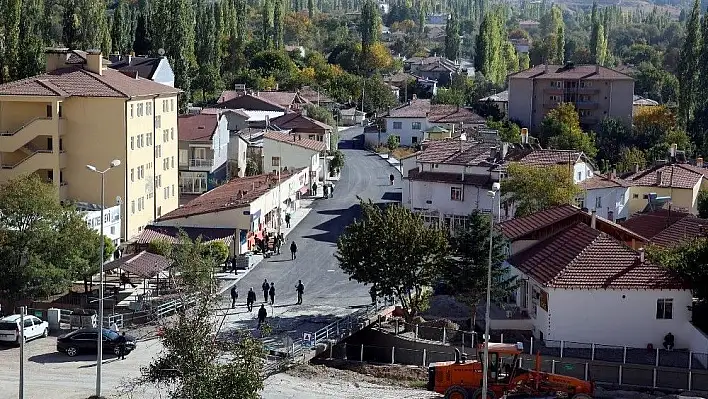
[[23, 311]]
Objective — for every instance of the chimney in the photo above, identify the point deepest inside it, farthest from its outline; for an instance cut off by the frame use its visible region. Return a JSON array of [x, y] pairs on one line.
[[94, 61], [636, 167], [524, 136], [267, 121], [545, 70], [55, 58], [597, 68], [641, 255], [415, 97], [658, 177], [672, 150], [613, 174], [699, 162], [253, 186], [493, 152], [593, 219]]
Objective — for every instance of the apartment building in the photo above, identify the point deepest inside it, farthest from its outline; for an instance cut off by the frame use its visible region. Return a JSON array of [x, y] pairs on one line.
[[80, 112], [203, 152], [597, 93]]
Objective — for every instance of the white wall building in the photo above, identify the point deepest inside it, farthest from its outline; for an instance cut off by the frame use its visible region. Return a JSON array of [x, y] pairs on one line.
[[291, 152], [203, 152], [607, 195], [111, 220]]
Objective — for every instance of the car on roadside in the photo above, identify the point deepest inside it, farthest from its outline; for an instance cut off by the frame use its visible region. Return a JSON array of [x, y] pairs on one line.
[[34, 327], [85, 340]]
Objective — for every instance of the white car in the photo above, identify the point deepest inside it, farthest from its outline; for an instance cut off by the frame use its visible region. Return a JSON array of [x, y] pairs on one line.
[[10, 328]]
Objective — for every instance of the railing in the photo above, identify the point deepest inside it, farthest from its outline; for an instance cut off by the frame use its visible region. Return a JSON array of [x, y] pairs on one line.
[[6, 166], [201, 163], [8, 133]]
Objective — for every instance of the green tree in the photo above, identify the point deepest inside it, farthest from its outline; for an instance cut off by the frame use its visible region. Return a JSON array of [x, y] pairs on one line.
[[611, 137], [311, 8], [160, 246], [524, 61], [121, 29], [629, 157], [689, 261], [337, 162], [10, 42], [703, 204], [71, 22], [320, 114], [143, 29], [688, 67], [217, 250], [278, 20], [533, 189], [465, 272], [699, 126], [561, 130], [404, 261], [491, 48], [509, 132], [560, 45], [392, 142], [267, 25], [452, 37], [31, 58], [208, 77], [369, 28], [599, 52]]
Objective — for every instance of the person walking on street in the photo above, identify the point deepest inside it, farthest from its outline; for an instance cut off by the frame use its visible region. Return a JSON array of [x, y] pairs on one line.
[[277, 243], [293, 250], [287, 220], [373, 293], [121, 341], [314, 189], [391, 178], [234, 296], [271, 292], [265, 287], [250, 299], [300, 288], [262, 314]]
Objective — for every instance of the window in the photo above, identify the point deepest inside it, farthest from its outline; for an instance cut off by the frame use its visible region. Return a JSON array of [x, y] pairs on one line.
[[132, 206], [172, 105], [158, 151], [140, 204], [148, 108], [132, 110], [415, 125], [165, 135], [580, 176], [140, 110], [555, 98], [635, 196], [584, 112], [172, 133], [183, 157], [148, 138], [158, 122], [456, 193], [141, 140], [172, 162], [397, 125], [165, 164], [166, 192], [164, 105], [132, 142], [49, 110], [158, 181], [665, 308], [173, 190], [142, 172], [276, 161], [132, 174], [580, 202], [598, 202], [414, 139], [113, 229], [621, 198]]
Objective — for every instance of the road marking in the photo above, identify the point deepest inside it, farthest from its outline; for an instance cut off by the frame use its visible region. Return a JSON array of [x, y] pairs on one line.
[[330, 270]]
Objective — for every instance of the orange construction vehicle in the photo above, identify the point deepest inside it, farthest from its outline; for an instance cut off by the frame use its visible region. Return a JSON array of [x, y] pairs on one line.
[[462, 379]]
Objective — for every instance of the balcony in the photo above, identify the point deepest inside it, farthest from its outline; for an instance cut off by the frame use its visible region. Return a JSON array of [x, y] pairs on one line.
[[588, 120], [551, 104], [587, 90], [13, 141], [587, 105], [63, 190], [200, 164], [40, 159]]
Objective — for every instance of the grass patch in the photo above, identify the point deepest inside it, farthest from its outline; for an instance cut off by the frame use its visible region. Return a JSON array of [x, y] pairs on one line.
[[402, 152]]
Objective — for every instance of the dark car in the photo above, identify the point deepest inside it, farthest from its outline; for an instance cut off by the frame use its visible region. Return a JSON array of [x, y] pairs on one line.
[[85, 341]]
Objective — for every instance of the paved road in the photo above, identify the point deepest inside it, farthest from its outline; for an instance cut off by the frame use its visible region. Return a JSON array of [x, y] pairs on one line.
[[328, 291]]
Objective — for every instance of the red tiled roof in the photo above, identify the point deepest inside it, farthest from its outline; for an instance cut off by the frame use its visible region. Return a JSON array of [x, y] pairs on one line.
[[418, 108], [599, 181], [457, 152], [197, 127], [78, 82], [519, 227], [171, 234], [585, 258], [675, 176], [668, 228], [143, 264], [297, 121], [282, 98], [237, 193], [249, 102], [544, 157], [446, 177], [313, 145], [314, 96], [436, 113], [561, 72]]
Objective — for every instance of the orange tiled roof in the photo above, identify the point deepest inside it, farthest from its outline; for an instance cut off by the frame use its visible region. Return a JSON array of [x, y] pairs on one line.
[[313, 145], [675, 176]]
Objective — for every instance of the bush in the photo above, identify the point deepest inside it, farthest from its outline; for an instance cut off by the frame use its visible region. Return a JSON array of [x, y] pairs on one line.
[[392, 142], [160, 247], [218, 250]]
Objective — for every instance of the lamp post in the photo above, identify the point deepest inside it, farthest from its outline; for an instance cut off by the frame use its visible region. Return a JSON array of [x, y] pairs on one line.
[[99, 355], [485, 364]]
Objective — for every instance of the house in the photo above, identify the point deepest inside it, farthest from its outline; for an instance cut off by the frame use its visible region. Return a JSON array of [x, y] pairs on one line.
[[260, 100], [237, 155], [304, 127], [607, 195], [157, 69], [438, 19], [677, 183], [576, 161], [288, 151], [80, 112], [409, 121], [528, 24], [299, 50], [521, 45], [203, 152], [239, 119], [317, 97], [668, 227], [248, 206], [501, 100], [596, 92], [351, 116], [441, 70], [111, 220]]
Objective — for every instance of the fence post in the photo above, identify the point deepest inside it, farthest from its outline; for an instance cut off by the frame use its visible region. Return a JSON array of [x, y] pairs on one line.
[[393, 355], [620, 375], [531, 346], [521, 361], [416, 331], [425, 355], [690, 380], [294, 350], [654, 379], [331, 348], [444, 335], [396, 326], [501, 338], [553, 366], [562, 345], [463, 341], [657, 358], [690, 361], [592, 351], [345, 351], [587, 371], [624, 355], [361, 354]]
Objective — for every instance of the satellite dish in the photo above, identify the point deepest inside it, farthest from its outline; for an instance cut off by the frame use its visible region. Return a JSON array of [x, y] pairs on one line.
[[161, 51]]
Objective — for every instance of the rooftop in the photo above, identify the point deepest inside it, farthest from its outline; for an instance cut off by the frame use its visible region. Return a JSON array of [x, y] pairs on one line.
[[674, 176], [667, 228], [171, 234], [234, 194], [498, 97], [570, 71], [457, 152], [143, 264], [283, 99], [599, 181], [144, 66], [543, 157], [313, 96], [297, 121], [445, 177], [585, 258], [197, 127], [313, 145], [436, 113]]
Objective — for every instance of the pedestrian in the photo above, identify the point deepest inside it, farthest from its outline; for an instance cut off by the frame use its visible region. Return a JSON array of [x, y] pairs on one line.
[[262, 314], [391, 178], [265, 287], [114, 327], [233, 265], [300, 288], [234, 296], [121, 341], [271, 292], [287, 220], [250, 299], [277, 244], [373, 293], [331, 191], [293, 250], [324, 192], [314, 189]]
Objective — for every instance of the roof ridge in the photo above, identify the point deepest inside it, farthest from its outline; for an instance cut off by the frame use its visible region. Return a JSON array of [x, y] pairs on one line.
[[94, 76], [581, 253], [50, 86]]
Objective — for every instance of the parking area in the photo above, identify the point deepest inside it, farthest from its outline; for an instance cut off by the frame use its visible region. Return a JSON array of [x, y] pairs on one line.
[[49, 373]]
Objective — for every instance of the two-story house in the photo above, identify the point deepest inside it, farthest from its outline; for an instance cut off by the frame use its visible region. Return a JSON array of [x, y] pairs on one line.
[[260, 100], [607, 195], [80, 112], [678, 183], [304, 127], [282, 150], [596, 92], [203, 152]]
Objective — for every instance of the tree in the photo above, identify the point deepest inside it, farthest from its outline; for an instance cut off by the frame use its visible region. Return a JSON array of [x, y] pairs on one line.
[[278, 20], [392, 142], [404, 261], [531, 189], [218, 250], [143, 29], [369, 24], [465, 272], [611, 137], [320, 114], [689, 261], [629, 158], [703, 204], [121, 29], [160, 246], [509, 132], [560, 45], [10, 40], [31, 58], [267, 25], [196, 361], [489, 49], [599, 51], [561, 130], [337, 162], [311, 8], [452, 37], [688, 67]]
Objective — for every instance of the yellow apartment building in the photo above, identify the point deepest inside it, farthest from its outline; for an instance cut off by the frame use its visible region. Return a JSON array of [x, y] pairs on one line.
[[81, 112], [679, 182]]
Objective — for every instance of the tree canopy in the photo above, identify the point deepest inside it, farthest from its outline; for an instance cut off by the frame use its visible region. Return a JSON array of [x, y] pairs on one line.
[[561, 130], [531, 189], [689, 261]]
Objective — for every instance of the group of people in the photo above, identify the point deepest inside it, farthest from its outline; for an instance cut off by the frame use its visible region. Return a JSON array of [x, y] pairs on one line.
[[268, 292]]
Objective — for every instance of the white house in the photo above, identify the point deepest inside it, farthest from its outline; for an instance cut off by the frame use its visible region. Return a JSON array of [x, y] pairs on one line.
[[292, 152], [607, 195], [157, 69], [237, 154], [111, 220], [203, 152]]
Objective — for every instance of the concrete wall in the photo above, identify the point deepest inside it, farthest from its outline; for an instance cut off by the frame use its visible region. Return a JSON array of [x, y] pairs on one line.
[[436, 196], [406, 132], [520, 105], [683, 198], [612, 199], [291, 156], [220, 144], [237, 152], [164, 73]]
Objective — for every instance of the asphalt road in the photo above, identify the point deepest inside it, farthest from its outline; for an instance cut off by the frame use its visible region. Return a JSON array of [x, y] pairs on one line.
[[328, 292]]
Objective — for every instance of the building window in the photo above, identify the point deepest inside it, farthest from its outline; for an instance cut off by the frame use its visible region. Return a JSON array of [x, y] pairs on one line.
[[164, 105], [158, 151], [555, 98], [148, 138], [172, 133], [580, 202], [665, 308], [158, 122], [172, 105], [397, 125], [456, 193], [435, 166], [140, 110], [415, 125], [276, 161], [414, 139], [598, 202], [148, 108], [132, 142], [165, 136], [165, 164], [132, 110], [173, 190], [158, 181], [172, 162], [113, 231], [635, 196], [621, 198], [132, 206], [580, 176], [132, 174]]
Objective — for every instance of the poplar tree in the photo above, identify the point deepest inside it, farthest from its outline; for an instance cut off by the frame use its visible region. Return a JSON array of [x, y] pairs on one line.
[[71, 21], [120, 30], [599, 50], [311, 8], [143, 29], [31, 61], [278, 20], [699, 126], [560, 44], [489, 58], [11, 35], [452, 37], [369, 25], [267, 25], [688, 66]]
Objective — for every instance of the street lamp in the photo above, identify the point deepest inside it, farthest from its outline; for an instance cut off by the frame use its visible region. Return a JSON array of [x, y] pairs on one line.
[[99, 360], [485, 364]]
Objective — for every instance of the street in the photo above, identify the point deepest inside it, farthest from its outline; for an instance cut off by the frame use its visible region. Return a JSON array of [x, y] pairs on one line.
[[328, 292]]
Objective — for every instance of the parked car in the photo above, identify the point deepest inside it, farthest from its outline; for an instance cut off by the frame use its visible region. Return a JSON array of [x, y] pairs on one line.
[[34, 328], [85, 340]]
